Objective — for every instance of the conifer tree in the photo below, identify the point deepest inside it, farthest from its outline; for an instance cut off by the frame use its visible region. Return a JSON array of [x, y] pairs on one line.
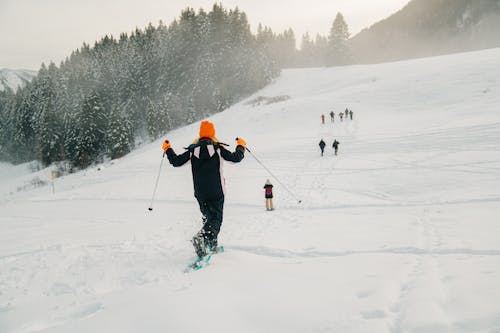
[[338, 51], [6, 126], [90, 132], [119, 134]]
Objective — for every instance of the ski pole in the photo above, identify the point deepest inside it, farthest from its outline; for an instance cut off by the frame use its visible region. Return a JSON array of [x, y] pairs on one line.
[[156, 184], [284, 186]]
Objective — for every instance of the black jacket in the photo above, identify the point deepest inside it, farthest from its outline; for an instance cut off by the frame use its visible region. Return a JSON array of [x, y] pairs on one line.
[[206, 161], [268, 194]]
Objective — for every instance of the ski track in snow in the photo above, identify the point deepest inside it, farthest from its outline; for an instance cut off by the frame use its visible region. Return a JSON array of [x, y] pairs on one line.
[[398, 233]]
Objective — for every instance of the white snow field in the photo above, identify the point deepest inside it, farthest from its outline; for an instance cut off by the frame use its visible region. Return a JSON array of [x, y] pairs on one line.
[[398, 233]]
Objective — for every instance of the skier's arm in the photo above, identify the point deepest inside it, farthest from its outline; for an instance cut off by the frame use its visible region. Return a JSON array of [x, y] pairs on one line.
[[238, 154], [235, 157], [173, 158]]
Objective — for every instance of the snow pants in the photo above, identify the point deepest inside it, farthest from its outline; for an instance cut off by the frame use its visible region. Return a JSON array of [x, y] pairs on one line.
[[269, 204], [211, 211]]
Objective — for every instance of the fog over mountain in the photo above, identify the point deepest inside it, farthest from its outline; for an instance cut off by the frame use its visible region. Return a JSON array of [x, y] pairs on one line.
[[430, 27], [15, 78]]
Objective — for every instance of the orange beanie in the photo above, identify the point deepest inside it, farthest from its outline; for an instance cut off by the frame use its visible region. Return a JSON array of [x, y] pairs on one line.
[[207, 130]]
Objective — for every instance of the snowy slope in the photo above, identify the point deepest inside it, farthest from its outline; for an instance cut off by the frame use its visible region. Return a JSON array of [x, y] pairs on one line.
[[399, 233], [14, 79]]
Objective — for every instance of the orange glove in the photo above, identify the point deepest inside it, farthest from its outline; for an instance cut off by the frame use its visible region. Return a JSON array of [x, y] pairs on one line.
[[166, 145], [241, 142]]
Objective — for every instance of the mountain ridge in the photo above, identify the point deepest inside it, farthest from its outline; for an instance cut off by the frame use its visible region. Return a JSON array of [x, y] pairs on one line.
[[427, 28]]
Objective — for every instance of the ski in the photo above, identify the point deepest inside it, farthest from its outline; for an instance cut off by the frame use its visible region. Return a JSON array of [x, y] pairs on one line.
[[201, 262]]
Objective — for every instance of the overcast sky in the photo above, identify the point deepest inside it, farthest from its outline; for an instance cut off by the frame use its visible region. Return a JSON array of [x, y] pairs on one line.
[[36, 31]]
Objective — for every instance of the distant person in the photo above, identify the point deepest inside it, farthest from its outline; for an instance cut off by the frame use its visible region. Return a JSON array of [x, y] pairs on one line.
[[332, 116], [346, 113], [322, 118], [268, 194], [341, 115], [350, 113], [335, 146], [322, 145]]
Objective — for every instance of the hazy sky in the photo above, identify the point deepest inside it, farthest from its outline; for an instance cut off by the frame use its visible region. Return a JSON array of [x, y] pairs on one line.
[[36, 31]]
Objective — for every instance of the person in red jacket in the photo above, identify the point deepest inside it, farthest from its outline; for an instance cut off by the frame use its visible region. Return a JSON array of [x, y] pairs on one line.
[[268, 187], [206, 155]]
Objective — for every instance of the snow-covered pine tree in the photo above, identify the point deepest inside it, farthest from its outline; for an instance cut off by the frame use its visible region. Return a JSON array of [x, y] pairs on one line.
[[338, 50], [6, 123], [119, 134], [90, 132], [48, 124]]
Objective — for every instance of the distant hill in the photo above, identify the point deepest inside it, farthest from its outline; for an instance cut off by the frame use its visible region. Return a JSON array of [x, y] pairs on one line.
[[430, 27], [15, 78]]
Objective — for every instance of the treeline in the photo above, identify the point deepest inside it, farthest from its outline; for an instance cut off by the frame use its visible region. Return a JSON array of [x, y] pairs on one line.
[[102, 100], [317, 51]]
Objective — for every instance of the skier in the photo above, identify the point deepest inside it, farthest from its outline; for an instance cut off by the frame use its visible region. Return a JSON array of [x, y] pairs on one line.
[[332, 116], [268, 187], [322, 145], [206, 154], [335, 146], [322, 118], [350, 113], [341, 115], [346, 113]]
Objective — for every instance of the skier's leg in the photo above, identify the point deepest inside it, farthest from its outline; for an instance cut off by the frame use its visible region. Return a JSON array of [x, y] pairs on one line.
[[267, 204], [199, 241], [271, 204], [214, 212], [203, 211]]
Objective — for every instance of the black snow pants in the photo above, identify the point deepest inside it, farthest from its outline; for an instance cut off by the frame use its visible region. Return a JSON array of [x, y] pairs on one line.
[[212, 219]]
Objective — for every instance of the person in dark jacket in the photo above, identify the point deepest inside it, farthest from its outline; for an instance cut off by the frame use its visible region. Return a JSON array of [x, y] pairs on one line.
[[322, 145], [335, 146], [268, 194], [332, 116], [350, 113], [206, 154]]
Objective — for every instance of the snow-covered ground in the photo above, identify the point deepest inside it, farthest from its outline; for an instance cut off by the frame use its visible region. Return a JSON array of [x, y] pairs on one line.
[[398, 233]]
